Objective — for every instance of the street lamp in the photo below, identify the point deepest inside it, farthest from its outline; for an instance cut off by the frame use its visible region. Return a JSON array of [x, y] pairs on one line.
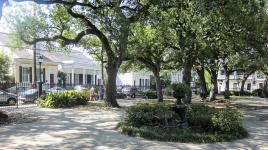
[[40, 60]]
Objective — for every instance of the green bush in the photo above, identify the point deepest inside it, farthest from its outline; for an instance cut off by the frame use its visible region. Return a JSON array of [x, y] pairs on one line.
[[181, 87], [215, 119], [257, 92], [237, 93], [150, 95], [206, 125], [147, 114], [245, 93], [62, 100], [227, 120]]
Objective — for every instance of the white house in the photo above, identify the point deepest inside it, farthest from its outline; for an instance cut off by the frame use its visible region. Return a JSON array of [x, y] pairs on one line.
[[254, 81], [79, 66], [139, 79]]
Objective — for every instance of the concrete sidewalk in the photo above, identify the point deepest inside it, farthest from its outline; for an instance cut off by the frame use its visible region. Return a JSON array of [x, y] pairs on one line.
[[73, 129]]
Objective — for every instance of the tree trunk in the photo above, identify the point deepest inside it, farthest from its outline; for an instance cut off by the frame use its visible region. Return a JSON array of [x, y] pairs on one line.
[[158, 86], [214, 85], [244, 81], [265, 89], [186, 79], [203, 85], [227, 83], [110, 91], [243, 85]]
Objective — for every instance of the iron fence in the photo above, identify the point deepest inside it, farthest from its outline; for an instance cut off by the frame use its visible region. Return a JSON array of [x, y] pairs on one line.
[[15, 95]]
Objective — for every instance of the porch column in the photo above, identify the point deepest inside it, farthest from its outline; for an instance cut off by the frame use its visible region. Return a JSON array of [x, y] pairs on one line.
[[84, 78], [72, 76]]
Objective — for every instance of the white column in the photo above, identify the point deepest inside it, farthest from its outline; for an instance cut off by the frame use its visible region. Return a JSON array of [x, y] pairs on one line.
[[72, 76], [84, 79]]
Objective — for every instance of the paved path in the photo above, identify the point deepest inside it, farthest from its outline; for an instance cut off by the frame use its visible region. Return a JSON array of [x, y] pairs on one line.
[[72, 129]]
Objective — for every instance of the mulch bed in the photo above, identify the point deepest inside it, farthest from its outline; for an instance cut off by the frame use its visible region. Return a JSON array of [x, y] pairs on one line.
[[16, 118]]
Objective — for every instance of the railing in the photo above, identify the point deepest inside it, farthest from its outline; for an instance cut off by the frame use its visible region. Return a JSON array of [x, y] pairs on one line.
[[16, 95]]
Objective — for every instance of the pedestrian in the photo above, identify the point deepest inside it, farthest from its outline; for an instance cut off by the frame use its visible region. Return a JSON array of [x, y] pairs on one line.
[[92, 93]]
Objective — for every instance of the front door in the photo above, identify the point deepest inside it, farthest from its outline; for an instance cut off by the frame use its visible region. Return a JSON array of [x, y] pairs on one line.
[[51, 78]]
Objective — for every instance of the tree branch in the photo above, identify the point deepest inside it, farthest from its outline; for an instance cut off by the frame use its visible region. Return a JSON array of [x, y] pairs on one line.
[[95, 30], [66, 41], [64, 2]]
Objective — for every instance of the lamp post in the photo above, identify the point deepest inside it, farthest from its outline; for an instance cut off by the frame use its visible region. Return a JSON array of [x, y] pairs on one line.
[[40, 60]]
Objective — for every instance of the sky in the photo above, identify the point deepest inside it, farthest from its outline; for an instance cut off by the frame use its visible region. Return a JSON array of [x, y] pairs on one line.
[[9, 9]]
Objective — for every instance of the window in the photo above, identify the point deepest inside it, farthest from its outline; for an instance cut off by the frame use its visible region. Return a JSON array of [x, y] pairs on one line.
[[25, 74], [260, 85], [239, 73], [260, 76], [76, 78], [89, 79], [235, 86], [248, 86], [222, 72], [99, 81]]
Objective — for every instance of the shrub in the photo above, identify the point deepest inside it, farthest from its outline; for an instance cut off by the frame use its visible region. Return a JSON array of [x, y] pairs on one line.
[[257, 92], [215, 119], [150, 95], [206, 125], [149, 115], [181, 87], [227, 120], [237, 93], [62, 100], [245, 93]]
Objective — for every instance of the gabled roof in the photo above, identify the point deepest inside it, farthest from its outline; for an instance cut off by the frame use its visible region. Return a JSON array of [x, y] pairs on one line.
[[74, 59]]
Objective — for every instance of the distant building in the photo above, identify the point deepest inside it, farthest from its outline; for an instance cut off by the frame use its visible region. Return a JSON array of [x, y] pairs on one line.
[[254, 81], [141, 78]]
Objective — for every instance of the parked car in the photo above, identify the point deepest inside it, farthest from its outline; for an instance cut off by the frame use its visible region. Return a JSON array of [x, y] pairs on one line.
[[17, 89], [54, 89], [28, 96], [130, 91], [8, 98], [121, 95]]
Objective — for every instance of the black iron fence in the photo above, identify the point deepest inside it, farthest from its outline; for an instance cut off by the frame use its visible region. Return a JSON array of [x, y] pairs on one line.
[[16, 95]]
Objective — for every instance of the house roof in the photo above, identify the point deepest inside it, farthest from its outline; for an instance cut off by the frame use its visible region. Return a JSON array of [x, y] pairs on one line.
[[74, 59]]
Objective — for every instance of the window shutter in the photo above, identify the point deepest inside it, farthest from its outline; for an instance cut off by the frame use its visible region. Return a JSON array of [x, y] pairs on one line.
[[20, 73], [70, 78], [44, 75], [95, 80], [31, 75]]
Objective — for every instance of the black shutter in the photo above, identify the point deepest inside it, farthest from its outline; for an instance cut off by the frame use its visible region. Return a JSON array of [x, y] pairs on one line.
[[31, 75], [89, 79], [20, 73], [70, 78], [81, 79], [44, 75], [95, 79], [74, 79]]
